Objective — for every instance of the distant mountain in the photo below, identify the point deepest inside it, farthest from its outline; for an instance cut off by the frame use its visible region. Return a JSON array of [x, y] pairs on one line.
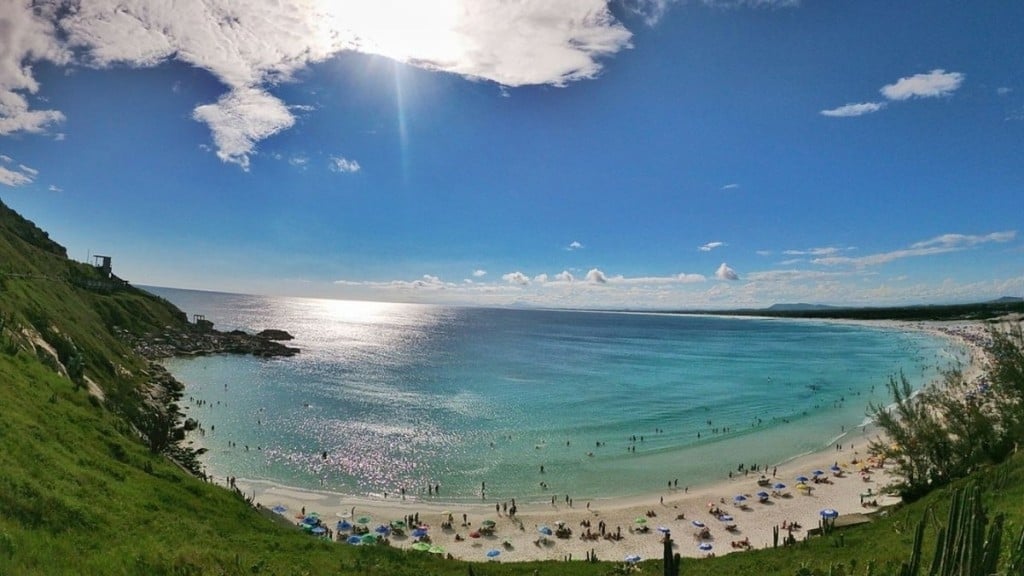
[[1006, 300], [799, 307]]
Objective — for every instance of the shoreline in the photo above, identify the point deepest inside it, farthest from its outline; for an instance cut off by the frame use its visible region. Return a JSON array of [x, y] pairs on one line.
[[675, 508]]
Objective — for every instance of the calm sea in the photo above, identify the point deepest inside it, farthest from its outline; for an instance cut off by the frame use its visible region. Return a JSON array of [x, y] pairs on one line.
[[388, 396]]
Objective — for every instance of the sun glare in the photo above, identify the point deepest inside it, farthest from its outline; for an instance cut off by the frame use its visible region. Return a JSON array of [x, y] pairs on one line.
[[404, 30]]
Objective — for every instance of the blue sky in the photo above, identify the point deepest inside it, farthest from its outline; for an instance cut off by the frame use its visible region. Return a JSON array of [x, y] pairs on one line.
[[646, 154]]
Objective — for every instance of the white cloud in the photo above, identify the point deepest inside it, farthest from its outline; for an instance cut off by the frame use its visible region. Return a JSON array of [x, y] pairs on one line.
[[822, 251], [254, 45], [938, 245], [478, 273], [14, 178], [1003, 90], [724, 272], [240, 119], [54, 188], [540, 278], [344, 165], [936, 83], [6, 158], [59, 137], [852, 110], [691, 278], [27, 35], [516, 278], [574, 245], [31, 171], [732, 186], [565, 276], [299, 161], [596, 276], [711, 246]]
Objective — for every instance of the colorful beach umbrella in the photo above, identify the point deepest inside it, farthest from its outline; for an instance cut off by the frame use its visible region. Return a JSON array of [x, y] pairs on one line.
[[493, 553], [421, 546], [475, 534], [829, 513]]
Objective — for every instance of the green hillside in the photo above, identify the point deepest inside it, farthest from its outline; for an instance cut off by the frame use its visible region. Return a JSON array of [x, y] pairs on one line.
[[82, 492]]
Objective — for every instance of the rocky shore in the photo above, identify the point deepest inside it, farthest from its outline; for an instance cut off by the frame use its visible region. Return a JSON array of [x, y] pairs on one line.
[[193, 341]]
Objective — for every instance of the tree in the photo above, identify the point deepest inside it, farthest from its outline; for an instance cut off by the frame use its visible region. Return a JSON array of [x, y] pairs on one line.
[[949, 429]]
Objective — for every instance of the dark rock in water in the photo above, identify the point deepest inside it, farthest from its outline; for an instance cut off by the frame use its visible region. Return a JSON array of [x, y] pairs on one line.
[[275, 334]]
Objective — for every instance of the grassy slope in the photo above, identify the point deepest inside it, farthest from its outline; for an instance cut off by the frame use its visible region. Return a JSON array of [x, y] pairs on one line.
[[80, 494]]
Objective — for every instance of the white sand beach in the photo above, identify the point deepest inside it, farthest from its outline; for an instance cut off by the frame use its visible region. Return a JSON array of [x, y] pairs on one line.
[[857, 488]]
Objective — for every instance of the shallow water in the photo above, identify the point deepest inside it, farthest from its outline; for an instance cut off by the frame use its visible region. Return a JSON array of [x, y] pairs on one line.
[[401, 395]]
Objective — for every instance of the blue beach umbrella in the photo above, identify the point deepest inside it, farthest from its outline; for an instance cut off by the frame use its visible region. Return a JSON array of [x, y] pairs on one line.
[[700, 524], [834, 468], [382, 529], [344, 525], [544, 530], [354, 540], [663, 530], [419, 533], [319, 530], [802, 479], [632, 558], [829, 513], [279, 509], [493, 552], [704, 546], [779, 486], [739, 498], [818, 472], [724, 518]]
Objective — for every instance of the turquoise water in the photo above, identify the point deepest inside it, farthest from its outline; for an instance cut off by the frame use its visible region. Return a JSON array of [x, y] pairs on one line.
[[401, 395]]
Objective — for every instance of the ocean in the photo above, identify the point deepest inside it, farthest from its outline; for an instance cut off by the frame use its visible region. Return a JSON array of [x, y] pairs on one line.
[[386, 397]]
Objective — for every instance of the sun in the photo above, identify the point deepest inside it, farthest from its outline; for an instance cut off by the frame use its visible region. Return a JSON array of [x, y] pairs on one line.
[[426, 33]]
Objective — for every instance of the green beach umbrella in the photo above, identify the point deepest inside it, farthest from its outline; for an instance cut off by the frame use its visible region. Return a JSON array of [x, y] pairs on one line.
[[364, 520], [640, 520], [369, 539], [436, 550], [398, 523], [420, 546], [488, 523]]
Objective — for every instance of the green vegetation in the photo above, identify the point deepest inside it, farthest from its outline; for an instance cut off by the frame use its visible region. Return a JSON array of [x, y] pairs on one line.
[[948, 431], [83, 492]]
